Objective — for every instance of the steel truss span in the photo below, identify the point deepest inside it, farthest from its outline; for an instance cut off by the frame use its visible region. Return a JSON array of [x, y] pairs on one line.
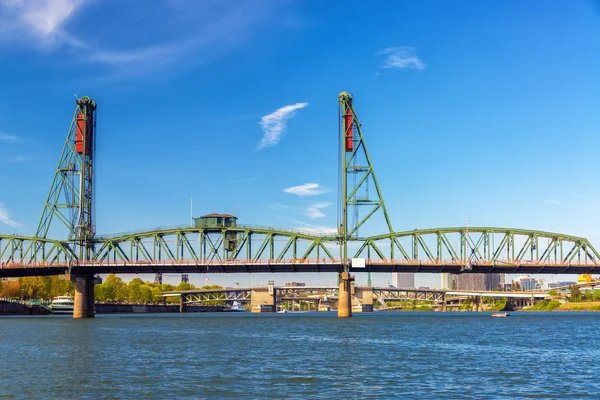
[[257, 249]]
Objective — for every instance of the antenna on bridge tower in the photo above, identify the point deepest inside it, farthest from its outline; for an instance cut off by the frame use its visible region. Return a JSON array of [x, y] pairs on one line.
[[71, 194], [356, 164]]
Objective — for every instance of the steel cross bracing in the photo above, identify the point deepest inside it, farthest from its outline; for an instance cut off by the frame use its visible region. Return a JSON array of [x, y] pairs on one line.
[[306, 293], [393, 294], [187, 250], [251, 249], [70, 199], [210, 296]]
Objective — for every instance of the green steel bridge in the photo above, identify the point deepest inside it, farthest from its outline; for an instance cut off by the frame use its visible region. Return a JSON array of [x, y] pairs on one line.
[[192, 250], [252, 249], [233, 248]]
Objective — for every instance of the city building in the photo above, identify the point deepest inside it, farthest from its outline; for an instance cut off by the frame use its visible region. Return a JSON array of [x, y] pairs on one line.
[[403, 280], [472, 281], [525, 282], [554, 285], [448, 280], [294, 284]]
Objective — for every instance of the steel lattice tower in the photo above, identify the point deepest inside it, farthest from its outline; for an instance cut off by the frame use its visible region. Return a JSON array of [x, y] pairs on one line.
[[358, 180], [71, 194]]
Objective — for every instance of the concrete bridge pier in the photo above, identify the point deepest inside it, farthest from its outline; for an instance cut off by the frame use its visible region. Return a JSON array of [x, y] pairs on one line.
[[182, 305], [478, 304], [362, 299], [263, 300], [84, 295], [345, 295]]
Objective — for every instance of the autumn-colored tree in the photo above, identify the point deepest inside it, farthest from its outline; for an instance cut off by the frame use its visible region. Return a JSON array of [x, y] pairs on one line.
[[11, 289]]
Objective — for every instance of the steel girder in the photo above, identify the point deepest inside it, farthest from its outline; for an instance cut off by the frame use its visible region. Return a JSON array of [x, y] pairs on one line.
[[393, 294], [207, 245], [224, 295], [258, 249], [480, 246], [25, 250]]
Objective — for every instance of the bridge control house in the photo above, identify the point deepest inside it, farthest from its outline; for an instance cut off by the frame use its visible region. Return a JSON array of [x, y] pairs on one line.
[[215, 223]]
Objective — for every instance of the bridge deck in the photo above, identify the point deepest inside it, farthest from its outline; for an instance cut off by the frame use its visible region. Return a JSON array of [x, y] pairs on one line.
[[241, 266]]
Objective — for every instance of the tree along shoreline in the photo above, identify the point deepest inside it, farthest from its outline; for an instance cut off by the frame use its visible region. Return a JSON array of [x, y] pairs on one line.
[[555, 306], [112, 290]]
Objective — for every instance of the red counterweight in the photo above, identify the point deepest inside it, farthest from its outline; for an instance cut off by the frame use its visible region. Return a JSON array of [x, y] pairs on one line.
[[348, 127], [80, 130]]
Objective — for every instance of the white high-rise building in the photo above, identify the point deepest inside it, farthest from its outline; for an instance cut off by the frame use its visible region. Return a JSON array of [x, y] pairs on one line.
[[448, 281], [403, 280]]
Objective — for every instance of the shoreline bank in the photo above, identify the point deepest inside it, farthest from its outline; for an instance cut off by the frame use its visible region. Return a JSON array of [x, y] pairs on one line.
[[8, 308]]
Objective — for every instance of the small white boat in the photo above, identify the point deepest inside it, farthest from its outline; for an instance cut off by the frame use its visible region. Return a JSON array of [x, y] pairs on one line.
[[237, 307], [500, 314], [62, 305], [284, 311]]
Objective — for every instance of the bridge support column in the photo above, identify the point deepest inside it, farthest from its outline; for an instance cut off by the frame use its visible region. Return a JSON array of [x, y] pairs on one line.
[[84, 296], [362, 299], [444, 304], [182, 303], [263, 300], [323, 305], [478, 304], [345, 296]]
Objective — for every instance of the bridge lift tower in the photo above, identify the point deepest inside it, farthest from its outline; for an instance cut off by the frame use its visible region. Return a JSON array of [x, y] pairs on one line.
[[71, 198], [358, 190]]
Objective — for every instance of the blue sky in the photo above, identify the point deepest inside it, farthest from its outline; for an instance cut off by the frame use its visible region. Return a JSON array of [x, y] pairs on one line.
[[480, 109]]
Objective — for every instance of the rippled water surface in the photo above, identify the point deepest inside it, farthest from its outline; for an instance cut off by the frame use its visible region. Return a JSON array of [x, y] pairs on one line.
[[379, 355]]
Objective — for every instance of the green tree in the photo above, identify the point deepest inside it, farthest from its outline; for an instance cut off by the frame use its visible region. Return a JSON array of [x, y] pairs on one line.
[[165, 287], [575, 294], [185, 286], [36, 287], [112, 289]]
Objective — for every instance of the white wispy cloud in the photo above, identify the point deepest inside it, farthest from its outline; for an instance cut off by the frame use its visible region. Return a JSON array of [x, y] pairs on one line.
[[162, 37], [40, 19], [401, 57], [5, 218], [8, 138], [314, 210], [308, 189], [324, 230], [317, 229], [274, 124]]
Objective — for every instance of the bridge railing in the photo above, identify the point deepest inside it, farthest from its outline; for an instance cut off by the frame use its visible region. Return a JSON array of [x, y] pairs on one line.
[[296, 261], [238, 227]]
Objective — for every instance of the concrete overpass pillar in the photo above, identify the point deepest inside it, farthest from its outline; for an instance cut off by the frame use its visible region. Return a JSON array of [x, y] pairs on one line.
[[478, 304], [444, 304], [84, 295], [344, 295], [182, 303], [263, 299], [323, 305], [362, 299]]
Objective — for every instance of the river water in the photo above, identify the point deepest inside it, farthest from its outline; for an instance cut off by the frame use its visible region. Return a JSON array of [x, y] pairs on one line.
[[301, 356]]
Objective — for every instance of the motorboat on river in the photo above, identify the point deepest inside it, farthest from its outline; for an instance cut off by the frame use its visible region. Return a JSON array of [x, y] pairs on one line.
[[500, 314]]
